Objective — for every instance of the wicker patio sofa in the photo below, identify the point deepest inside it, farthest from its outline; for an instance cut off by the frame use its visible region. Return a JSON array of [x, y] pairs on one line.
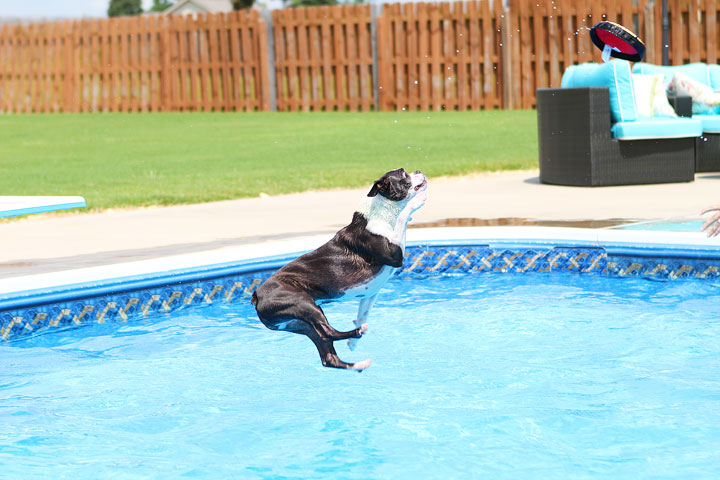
[[707, 154], [589, 133]]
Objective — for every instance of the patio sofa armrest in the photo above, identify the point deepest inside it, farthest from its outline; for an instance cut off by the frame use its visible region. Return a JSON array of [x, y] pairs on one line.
[[576, 146], [682, 104]]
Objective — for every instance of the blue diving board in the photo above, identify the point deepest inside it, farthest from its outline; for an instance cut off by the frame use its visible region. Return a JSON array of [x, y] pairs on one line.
[[24, 205]]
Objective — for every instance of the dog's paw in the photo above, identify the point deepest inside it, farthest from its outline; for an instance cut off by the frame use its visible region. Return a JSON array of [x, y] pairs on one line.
[[360, 366], [362, 330]]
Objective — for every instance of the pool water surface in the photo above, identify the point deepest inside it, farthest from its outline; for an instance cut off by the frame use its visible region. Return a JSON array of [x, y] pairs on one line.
[[509, 375]]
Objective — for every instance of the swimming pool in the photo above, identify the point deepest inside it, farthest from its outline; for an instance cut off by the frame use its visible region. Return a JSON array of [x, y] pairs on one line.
[[512, 352]]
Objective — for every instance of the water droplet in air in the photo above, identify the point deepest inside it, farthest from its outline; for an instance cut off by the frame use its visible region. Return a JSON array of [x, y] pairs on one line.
[[395, 121]]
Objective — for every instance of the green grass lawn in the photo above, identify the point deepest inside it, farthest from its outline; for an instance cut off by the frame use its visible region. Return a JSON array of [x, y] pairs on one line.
[[122, 160]]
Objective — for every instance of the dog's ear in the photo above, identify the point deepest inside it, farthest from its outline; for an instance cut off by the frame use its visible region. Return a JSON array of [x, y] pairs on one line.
[[375, 189]]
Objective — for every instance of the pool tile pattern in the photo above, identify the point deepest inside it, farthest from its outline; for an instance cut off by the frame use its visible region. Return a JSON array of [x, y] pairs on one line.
[[432, 260], [485, 259]]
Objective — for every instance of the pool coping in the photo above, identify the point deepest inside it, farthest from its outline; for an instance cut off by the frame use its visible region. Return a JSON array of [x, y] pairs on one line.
[[23, 291]]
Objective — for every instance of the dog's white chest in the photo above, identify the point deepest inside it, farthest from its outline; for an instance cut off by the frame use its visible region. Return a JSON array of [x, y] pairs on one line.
[[370, 288]]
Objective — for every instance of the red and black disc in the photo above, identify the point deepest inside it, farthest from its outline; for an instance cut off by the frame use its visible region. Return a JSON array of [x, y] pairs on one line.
[[621, 42]]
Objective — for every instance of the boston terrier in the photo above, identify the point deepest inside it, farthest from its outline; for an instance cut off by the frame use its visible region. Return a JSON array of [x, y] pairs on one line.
[[354, 264]]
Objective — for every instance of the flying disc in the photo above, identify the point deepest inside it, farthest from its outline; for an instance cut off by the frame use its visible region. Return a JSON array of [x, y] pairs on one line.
[[617, 41]]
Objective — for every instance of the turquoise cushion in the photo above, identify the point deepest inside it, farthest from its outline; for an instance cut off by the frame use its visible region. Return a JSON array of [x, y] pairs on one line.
[[649, 128], [616, 76], [697, 71], [714, 76], [710, 123]]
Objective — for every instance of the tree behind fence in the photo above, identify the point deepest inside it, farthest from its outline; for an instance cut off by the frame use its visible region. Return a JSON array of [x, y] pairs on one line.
[[463, 55]]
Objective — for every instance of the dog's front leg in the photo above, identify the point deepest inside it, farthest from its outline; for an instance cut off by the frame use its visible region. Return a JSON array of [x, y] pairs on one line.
[[363, 312]]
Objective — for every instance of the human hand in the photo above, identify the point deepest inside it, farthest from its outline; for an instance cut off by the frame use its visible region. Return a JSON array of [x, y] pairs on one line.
[[712, 224]]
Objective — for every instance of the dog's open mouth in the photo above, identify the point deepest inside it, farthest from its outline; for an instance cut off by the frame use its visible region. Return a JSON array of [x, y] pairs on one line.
[[424, 182]]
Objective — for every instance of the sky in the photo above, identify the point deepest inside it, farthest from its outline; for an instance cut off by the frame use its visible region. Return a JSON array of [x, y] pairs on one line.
[[57, 8]]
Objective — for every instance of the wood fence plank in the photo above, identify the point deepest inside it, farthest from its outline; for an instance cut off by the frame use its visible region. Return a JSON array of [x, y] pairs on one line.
[[449, 73], [291, 57], [314, 59], [411, 59], [694, 53], [423, 86], [676, 40], [302, 57], [351, 56], [398, 58], [384, 60], [488, 35], [463, 100], [554, 49], [205, 60], [436, 56], [711, 31], [326, 55], [365, 57]]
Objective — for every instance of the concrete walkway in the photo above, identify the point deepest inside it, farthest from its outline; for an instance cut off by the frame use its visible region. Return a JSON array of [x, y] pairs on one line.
[[46, 243]]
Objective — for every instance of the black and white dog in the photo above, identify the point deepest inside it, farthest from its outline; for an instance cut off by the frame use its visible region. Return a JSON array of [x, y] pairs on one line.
[[354, 264]]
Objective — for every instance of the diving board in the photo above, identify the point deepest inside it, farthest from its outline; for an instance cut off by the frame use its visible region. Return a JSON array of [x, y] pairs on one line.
[[23, 205]]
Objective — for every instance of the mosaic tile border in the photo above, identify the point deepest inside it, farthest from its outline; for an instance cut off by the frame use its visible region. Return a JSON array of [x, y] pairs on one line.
[[427, 260]]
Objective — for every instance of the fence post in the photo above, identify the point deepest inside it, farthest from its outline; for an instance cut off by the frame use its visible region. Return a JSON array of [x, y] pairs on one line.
[[374, 8], [166, 75], [508, 102], [68, 92], [649, 34], [270, 56]]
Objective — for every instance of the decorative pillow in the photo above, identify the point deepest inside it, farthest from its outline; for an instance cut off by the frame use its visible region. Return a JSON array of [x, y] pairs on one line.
[[650, 96], [644, 88], [661, 105], [704, 99]]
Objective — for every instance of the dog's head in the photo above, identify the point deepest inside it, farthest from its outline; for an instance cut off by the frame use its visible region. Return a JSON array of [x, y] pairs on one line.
[[399, 186]]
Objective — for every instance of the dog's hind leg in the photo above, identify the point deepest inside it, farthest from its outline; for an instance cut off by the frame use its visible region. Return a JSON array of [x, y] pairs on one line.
[[296, 311], [330, 358], [362, 316], [325, 348]]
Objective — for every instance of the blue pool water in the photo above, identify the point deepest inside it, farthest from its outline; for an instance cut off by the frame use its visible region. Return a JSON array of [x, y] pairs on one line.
[[473, 376]]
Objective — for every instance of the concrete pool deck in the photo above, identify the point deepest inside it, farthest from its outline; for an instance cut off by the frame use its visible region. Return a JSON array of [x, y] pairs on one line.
[[48, 243]]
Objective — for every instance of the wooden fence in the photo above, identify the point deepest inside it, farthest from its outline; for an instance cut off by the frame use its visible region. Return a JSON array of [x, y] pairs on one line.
[[548, 36], [440, 56], [323, 58], [146, 63], [468, 55]]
